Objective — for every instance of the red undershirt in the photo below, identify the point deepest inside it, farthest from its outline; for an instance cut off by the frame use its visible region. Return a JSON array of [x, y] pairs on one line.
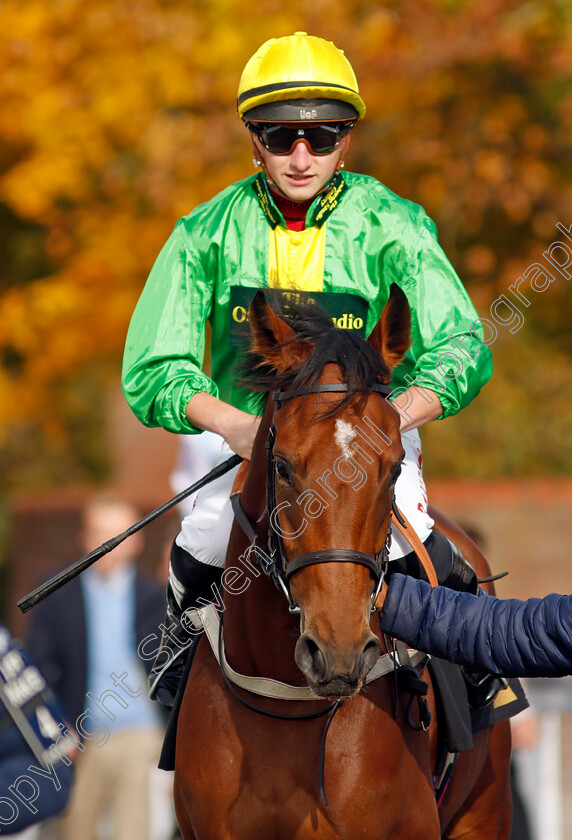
[[294, 213]]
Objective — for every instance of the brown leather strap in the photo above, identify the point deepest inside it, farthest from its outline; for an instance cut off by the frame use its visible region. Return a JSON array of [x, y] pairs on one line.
[[423, 555], [240, 478]]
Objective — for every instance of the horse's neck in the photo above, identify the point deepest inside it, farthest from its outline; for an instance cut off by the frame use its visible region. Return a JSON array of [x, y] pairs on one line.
[[259, 631]]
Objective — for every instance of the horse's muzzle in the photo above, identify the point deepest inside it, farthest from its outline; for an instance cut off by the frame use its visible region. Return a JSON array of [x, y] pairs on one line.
[[333, 673]]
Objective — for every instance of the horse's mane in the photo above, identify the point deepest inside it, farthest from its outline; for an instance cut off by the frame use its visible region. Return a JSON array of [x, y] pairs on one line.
[[361, 366]]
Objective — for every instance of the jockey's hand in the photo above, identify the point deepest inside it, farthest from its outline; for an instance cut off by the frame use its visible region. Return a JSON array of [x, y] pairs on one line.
[[240, 431], [238, 428]]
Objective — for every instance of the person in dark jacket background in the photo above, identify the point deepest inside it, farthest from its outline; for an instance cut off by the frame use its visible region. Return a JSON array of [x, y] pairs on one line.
[[89, 637], [531, 638], [36, 769]]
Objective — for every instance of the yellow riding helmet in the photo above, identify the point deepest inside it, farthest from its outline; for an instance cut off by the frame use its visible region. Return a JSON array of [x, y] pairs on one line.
[[297, 67]]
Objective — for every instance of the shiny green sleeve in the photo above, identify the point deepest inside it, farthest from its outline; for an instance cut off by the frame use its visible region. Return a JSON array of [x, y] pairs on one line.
[[166, 338], [447, 354]]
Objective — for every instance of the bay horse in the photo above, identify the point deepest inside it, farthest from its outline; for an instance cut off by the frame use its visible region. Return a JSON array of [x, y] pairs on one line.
[[248, 766]]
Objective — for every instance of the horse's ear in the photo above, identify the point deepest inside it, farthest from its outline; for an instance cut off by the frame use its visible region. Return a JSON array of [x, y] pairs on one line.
[[391, 335], [273, 338]]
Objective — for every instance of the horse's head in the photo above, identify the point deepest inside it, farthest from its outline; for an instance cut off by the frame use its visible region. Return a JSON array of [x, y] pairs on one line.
[[334, 456]]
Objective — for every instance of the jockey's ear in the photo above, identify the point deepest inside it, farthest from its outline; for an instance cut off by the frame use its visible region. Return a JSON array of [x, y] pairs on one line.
[[391, 335], [273, 338]]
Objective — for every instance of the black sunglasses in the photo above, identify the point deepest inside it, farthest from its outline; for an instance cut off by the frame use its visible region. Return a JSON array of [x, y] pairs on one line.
[[280, 139]]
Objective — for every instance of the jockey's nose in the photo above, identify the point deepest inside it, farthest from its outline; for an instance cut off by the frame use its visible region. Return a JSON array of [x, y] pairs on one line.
[[300, 157]]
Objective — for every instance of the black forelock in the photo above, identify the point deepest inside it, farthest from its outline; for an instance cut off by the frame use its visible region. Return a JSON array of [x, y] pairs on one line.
[[360, 365]]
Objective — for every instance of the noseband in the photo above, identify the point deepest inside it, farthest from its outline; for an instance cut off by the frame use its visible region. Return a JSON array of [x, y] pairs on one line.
[[278, 567]]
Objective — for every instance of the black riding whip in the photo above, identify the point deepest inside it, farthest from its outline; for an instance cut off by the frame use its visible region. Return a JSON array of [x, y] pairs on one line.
[[86, 561]]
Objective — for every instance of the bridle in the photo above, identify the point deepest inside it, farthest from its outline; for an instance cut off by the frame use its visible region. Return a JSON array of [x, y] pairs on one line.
[[280, 569], [277, 565]]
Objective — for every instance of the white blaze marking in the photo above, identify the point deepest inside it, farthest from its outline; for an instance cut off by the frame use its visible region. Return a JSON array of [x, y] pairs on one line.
[[344, 437]]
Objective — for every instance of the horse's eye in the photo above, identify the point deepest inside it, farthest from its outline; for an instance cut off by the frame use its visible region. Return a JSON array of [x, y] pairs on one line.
[[395, 473], [282, 471]]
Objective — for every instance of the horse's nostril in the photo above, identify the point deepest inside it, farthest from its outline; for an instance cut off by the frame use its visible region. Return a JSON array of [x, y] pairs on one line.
[[309, 657], [314, 650], [373, 645], [370, 653], [317, 657]]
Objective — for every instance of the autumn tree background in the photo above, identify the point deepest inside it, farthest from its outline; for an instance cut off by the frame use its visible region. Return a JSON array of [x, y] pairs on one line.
[[118, 116]]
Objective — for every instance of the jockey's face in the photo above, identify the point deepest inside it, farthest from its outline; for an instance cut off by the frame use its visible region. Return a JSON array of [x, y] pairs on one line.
[[300, 175]]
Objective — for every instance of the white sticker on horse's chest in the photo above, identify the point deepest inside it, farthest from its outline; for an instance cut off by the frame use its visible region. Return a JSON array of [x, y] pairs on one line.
[[344, 437]]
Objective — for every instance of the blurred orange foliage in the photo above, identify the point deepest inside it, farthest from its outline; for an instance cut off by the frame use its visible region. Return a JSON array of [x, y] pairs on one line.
[[117, 116]]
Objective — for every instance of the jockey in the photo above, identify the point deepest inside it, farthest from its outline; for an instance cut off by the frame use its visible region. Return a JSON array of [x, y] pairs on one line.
[[301, 223]]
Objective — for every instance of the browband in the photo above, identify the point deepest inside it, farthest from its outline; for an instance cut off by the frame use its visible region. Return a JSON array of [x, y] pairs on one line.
[[334, 388]]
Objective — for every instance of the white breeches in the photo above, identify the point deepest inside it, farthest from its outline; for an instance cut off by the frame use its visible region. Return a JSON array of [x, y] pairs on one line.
[[206, 530]]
